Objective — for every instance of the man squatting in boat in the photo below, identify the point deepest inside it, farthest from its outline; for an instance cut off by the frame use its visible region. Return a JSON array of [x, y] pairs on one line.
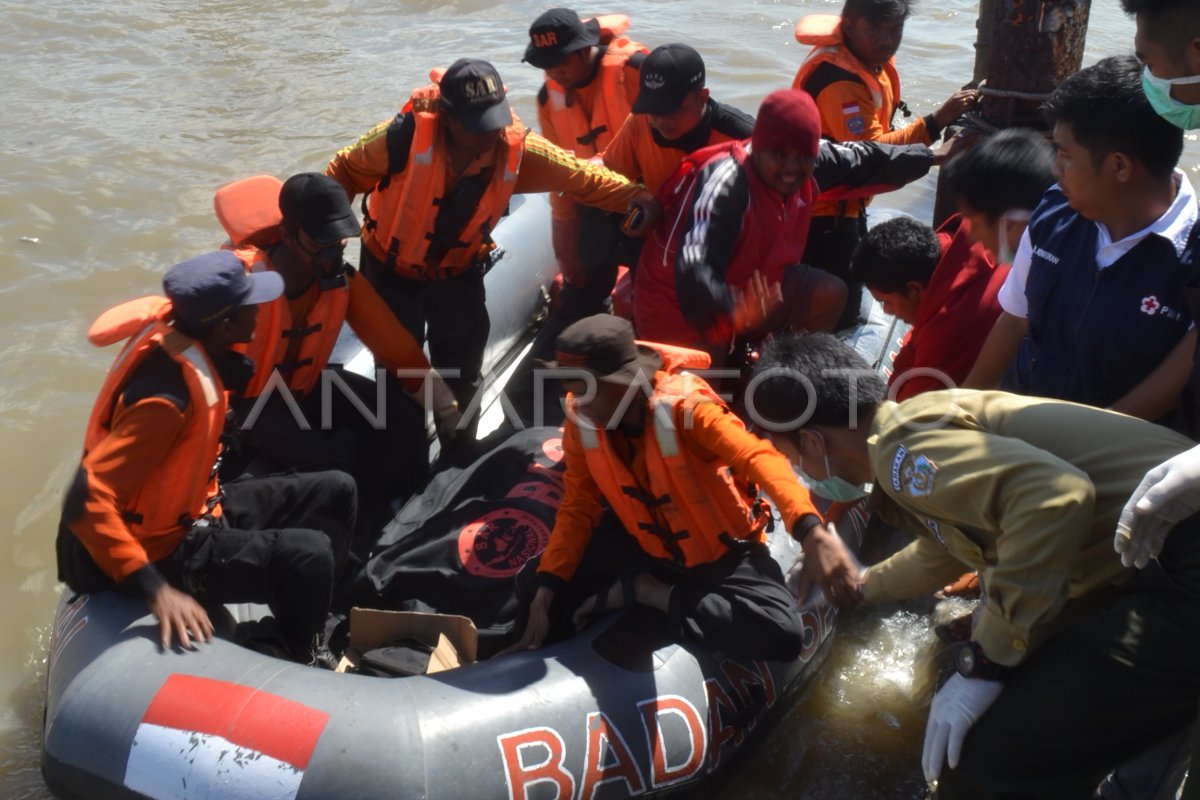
[[147, 513]]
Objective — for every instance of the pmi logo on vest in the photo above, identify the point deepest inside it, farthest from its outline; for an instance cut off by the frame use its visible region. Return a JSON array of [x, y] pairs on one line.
[[1152, 307]]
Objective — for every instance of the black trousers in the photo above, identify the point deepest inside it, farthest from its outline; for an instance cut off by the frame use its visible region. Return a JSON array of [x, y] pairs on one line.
[[383, 446], [602, 249], [830, 246], [1098, 693], [737, 605], [451, 312], [280, 541]]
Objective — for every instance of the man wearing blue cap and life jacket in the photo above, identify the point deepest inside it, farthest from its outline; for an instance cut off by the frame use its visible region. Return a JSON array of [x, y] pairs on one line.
[[147, 515]]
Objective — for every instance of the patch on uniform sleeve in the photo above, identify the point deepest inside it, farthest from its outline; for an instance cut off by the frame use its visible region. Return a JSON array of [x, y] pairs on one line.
[[897, 462], [918, 474], [854, 122]]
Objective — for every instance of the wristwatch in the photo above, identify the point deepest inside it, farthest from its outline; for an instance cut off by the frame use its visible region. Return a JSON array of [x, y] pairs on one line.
[[972, 663]]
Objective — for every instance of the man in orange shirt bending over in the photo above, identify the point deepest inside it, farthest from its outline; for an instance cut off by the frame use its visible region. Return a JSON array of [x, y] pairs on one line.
[[678, 468]]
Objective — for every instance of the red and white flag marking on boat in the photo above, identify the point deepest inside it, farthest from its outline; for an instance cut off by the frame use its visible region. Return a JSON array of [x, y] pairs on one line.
[[204, 738]]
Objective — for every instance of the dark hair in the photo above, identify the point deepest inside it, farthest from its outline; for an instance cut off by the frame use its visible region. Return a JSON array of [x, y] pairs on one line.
[[795, 362], [198, 332], [1108, 113], [877, 9], [894, 253], [1171, 23], [1011, 169]]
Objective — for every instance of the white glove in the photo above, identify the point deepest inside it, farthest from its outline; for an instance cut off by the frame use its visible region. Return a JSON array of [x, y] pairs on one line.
[[435, 395], [957, 707], [1169, 494]]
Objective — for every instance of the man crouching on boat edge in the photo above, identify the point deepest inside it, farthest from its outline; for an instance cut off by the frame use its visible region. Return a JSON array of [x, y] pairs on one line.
[[678, 469], [146, 514], [1026, 491]]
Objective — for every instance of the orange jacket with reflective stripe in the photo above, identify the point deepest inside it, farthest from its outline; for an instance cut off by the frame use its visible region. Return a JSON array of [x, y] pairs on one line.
[[577, 131], [859, 107], [693, 511], [275, 334], [403, 208], [184, 487]]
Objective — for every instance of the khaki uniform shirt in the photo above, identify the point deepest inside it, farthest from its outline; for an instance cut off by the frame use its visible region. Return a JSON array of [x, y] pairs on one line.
[[1025, 490]]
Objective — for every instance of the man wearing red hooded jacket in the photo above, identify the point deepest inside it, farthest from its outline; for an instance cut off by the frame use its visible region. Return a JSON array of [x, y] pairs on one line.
[[726, 257]]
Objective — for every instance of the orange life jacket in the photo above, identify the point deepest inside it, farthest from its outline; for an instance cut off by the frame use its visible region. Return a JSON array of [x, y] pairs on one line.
[[184, 487], [249, 212], [694, 511], [403, 208], [579, 134], [824, 33], [275, 332]]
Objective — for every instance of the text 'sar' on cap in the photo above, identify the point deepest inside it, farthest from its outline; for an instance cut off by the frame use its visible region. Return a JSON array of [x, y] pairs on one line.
[[556, 34], [473, 94]]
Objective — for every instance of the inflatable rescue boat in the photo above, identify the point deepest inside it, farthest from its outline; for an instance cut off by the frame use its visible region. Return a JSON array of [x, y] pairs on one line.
[[613, 712]]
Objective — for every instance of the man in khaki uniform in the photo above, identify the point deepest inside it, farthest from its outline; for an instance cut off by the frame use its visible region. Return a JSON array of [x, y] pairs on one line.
[[1076, 663]]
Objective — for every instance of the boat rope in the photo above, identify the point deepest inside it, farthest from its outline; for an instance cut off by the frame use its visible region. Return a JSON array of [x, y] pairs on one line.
[[1013, 94]]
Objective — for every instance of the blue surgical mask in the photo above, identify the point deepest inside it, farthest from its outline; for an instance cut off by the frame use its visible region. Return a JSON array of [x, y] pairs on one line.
[[1158, 92], [832, 488]]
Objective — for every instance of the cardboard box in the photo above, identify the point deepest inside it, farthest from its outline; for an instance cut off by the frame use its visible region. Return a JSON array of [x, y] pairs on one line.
[[453, 638]]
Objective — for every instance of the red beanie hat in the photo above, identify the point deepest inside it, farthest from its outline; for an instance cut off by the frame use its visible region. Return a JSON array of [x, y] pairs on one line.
[[787, 119]]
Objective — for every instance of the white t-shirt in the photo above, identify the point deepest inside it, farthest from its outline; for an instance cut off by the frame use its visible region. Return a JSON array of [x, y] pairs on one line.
[[1175, 226]]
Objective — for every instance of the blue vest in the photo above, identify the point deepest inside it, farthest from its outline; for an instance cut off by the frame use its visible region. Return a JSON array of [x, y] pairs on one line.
[[1189, 405], [1096, 334]]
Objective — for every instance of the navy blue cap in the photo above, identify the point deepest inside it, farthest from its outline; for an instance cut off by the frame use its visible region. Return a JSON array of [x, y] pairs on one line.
[[207, 289]]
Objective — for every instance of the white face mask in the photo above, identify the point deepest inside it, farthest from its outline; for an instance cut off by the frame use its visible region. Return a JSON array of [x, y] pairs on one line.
[[1019, 216]]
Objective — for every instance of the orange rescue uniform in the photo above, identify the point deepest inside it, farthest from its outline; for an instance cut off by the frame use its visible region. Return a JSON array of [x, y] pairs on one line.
[[694, 465], [635, 154], [296, 335], [150, 466], [407, 188], [856, 102], [584, 119]]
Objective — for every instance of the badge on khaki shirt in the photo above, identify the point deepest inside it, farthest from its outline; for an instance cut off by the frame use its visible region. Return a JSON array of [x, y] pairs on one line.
[[913, 473]]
